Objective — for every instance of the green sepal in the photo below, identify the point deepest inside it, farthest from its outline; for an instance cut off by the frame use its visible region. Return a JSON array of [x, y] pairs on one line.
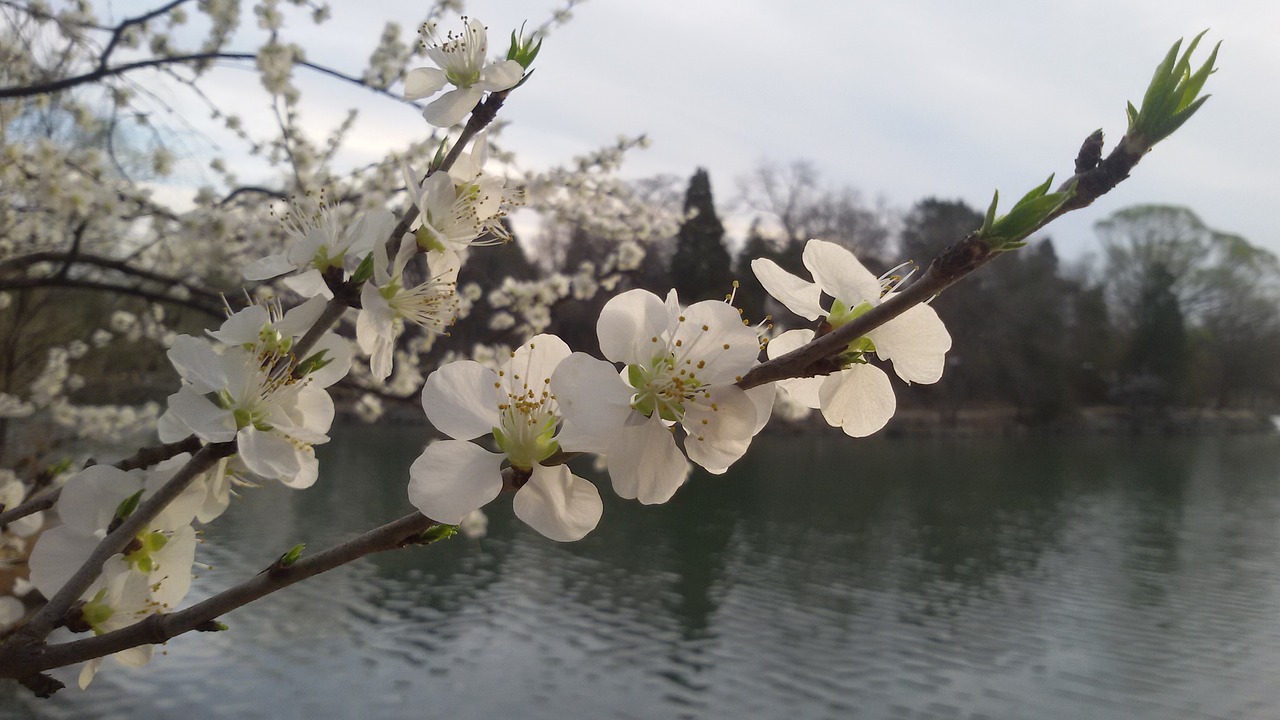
[[1028, 214], [990, 217], [436, 533], [1171, 98], [59, 467], [522, 49], [365, 269], [291, 555], [427, 240], [441, 152], [313, 363], [128, 505]]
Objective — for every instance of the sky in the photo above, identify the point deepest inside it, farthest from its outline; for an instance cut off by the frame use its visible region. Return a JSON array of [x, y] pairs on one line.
[[900, 100]]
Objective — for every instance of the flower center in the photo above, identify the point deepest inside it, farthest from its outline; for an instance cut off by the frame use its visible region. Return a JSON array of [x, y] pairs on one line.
[[663, 386], [841, 315], [528, 424], [140, 555]]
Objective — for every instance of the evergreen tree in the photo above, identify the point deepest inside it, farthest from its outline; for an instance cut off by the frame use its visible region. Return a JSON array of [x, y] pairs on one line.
[[751, 297], [1158, 347], [701, 268]]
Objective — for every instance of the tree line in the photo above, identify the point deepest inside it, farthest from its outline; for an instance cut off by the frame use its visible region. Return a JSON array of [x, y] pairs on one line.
[[1172, 313]]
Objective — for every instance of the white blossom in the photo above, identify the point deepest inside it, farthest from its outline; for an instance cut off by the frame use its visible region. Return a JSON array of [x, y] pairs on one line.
[[388, 300], [859, 398], [247, 391], [465, 400], [320, 240], [681, 366], [460, 61]]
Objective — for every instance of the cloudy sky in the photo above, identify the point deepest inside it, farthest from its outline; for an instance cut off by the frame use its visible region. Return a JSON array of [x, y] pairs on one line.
[[901, 100]]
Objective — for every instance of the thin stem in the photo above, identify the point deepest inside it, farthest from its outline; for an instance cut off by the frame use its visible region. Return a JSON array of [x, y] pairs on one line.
[[22, 661], [1091, 181], [51, 615], [144, 458]]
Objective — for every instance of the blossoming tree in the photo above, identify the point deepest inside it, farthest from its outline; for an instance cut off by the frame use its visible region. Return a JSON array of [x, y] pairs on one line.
[[376, 278]]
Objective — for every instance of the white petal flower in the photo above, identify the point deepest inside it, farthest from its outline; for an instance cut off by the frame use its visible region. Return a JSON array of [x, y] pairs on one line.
[[465, 400], [387, 302], [249, 392], [859, 399], [456, 212], [460, 61], [320, 240], [152, 575], [681, 366]]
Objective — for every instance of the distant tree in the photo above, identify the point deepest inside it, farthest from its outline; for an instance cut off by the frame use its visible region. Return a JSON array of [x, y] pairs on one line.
[[701, 268], [1227, 294], [1156, 358], [1091, 345], [933, 224], [792, 194], [1008, 322], [751, 296]]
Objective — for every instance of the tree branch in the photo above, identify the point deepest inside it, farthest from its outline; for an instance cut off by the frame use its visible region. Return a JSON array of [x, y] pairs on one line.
[[121, 266], [51, 615], [22, 661], [1091, 181], [153, 296]]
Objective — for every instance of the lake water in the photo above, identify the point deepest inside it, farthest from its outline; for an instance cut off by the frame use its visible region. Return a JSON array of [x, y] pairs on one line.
[[823, 578]]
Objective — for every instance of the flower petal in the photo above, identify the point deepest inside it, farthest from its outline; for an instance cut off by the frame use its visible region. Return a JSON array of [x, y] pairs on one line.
[[268, 267], [449, 109], [594, 402], [198, 363], [631, 327], [840, 274], [762, 396], [804, 391], [58, 553], [244, 327], [268, 454], [534, 362], [797, 294], [500, 75], [711, 333], [558, 504], [337, 353], [858, 400], [309, 284], [423, 82], [645, 464], [210, 422], [916, 342], [452, 477], [90, 498], [461, 399], [720, 428], [788, 341]]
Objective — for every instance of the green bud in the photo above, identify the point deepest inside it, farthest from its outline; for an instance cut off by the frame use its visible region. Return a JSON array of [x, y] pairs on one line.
[[128, 505], [1029, 214], [436, 533], [59, 467], [523, 49], [291, 556], [1172, 97], [365, 270], [312, 364], [427, 239]]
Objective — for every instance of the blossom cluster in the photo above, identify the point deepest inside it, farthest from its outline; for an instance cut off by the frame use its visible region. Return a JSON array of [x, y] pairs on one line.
[[668, 393]]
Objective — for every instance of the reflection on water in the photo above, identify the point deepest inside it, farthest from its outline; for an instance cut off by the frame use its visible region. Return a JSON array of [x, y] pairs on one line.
[[823, 578]]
